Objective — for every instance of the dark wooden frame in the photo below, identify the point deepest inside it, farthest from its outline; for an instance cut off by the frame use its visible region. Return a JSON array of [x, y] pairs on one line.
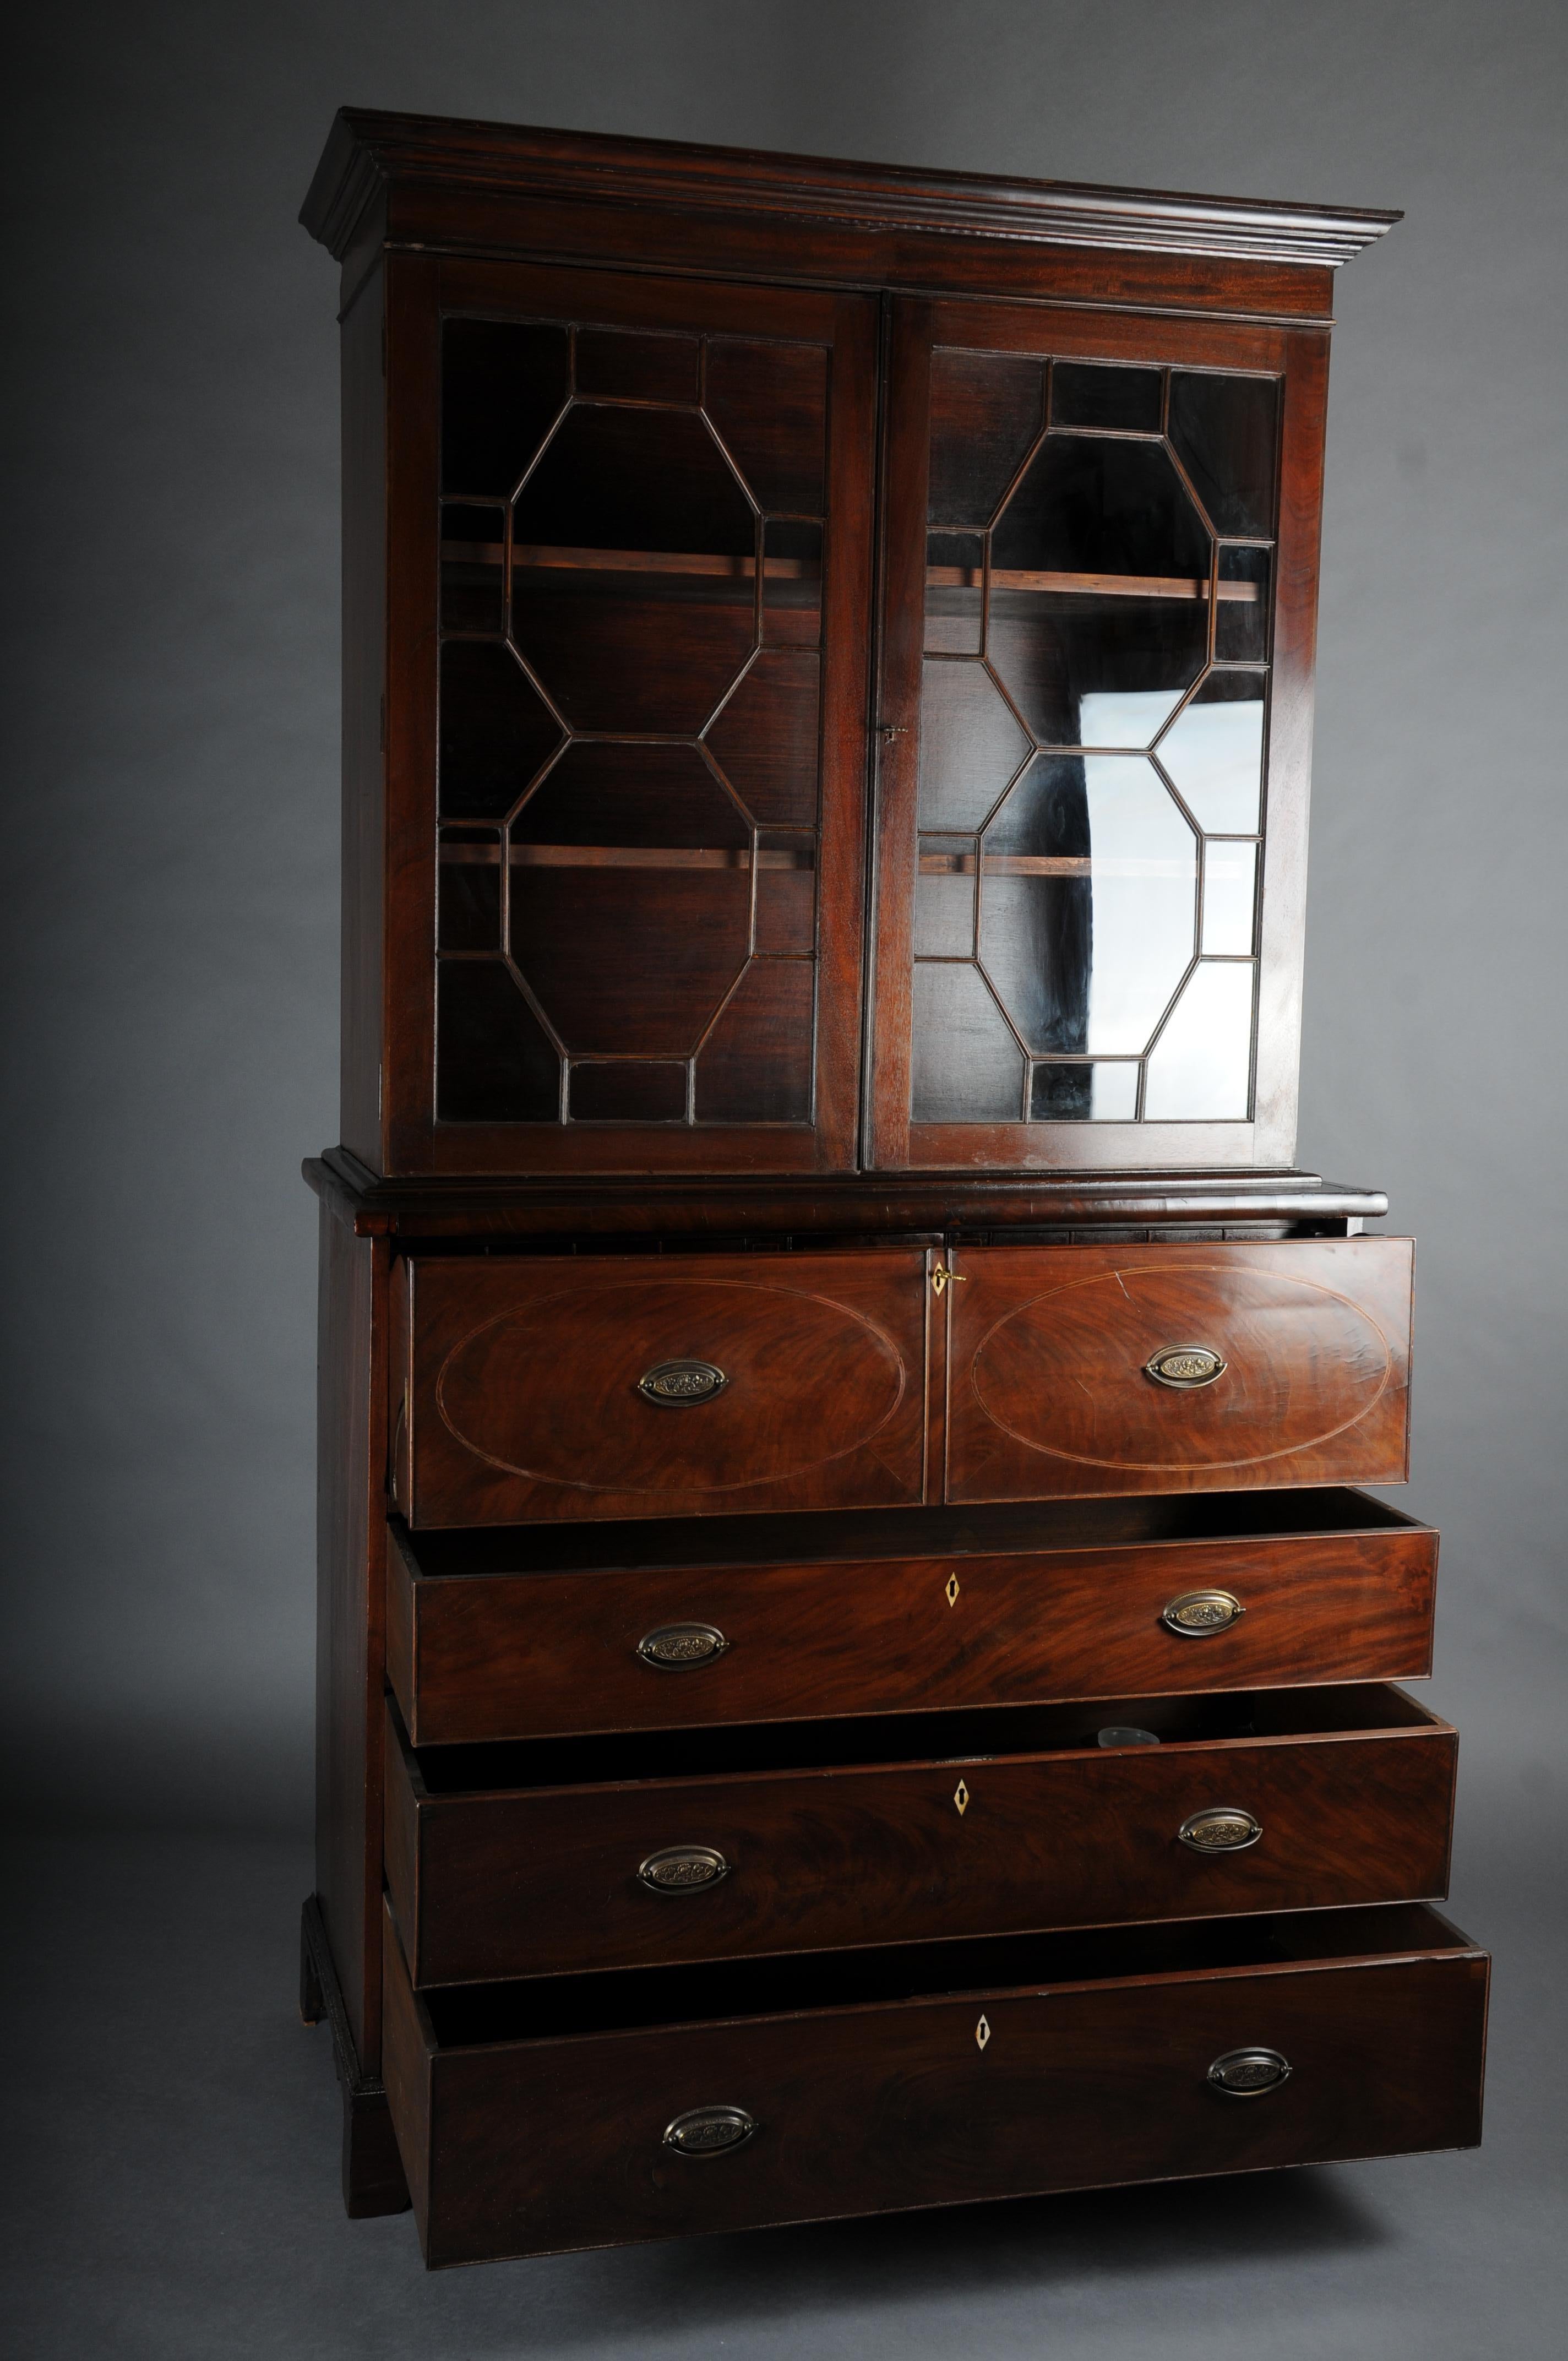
[[394, 1023], [1298, 358]]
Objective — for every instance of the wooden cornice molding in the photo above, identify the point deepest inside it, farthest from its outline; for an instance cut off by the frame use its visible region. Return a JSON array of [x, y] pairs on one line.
[[369, 151]]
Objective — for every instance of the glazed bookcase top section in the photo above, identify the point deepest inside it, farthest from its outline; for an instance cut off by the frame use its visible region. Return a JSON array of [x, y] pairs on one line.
[[369, 151]]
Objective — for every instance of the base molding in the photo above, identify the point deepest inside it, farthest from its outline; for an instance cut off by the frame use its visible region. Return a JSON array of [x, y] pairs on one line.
[[373, 2177]]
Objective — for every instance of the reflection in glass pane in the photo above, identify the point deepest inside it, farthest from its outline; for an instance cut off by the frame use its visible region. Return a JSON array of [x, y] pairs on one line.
[[501, 384], [637, 368], [1102, 1094], [1224, 428], [1088, 903], [1199, 1071], [1230, 893], [1131, 717], [955, 587], [944, 897], [1099, 582], [970, 744], [1214, 751], [1088, 393], [986, 410], [1241, 619], [792, 583], [967, 1066]]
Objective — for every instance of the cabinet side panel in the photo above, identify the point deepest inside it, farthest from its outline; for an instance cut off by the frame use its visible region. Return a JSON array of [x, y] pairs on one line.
[[350, 1575], [1283, 936], [364, 671]]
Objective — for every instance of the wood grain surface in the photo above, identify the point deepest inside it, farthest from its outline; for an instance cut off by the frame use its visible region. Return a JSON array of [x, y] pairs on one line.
[[524, 1861], [515, 1634], [527, 2132]]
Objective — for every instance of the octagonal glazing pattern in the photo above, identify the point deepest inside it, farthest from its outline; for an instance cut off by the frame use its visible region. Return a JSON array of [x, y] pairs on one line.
[[1098, 604], [632, 547]]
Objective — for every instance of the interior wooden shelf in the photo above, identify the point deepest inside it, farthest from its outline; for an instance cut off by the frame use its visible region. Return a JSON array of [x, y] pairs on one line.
[[631, 856], [683, 562]]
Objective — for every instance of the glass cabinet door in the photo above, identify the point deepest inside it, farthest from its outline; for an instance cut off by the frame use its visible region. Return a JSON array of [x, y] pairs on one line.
[[1093, 766], [648, 538]]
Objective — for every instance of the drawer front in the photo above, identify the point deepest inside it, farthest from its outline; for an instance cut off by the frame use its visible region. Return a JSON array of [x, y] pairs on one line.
[[542, 1387], [496, 1655], [547, 1881], [536, 2147], [1173, 1369]]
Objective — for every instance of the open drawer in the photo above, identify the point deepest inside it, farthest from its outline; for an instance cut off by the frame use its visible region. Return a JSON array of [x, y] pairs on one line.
[[538, 2117], [521, 1633], [576, 1854]]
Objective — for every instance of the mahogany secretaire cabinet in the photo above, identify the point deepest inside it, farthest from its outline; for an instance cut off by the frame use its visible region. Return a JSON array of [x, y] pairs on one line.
[[855, 1671]]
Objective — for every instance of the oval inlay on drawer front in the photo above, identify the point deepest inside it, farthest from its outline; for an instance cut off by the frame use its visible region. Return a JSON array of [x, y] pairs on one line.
[[551, 1389], [1067, 1374]]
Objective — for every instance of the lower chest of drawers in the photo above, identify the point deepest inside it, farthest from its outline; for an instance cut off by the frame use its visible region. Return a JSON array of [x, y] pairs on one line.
[[606, 2109], [1021, 1802]]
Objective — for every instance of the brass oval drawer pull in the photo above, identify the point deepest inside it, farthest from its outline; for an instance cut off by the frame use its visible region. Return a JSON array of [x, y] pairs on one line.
[[681, 1647], [1198, 1612], [1249, 2073], [676, 1384], [683, 1868], [1223, 1828], [710, 2131], [1185, 1366]]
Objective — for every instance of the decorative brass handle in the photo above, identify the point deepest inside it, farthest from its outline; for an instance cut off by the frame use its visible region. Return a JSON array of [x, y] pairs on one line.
[[1222, 1827], [676, 1384], [1198, 1612], [1185, 1368], [681, 1647], [683, 1868], [1249, 2073], [710, 2131]]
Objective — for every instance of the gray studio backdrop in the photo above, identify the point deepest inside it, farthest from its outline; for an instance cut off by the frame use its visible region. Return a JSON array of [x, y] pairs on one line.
[[172, 926]]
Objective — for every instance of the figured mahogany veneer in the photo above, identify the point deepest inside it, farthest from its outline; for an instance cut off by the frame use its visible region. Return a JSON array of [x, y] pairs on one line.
[[516, 1635], [521, 1385], [526, 1861], [521, 1381], [533, 2118], [1049, 1350]]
